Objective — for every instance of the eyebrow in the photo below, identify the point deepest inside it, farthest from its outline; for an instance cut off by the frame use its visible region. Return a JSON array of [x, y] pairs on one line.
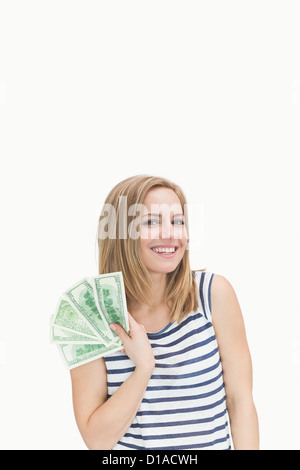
[[159, 215]]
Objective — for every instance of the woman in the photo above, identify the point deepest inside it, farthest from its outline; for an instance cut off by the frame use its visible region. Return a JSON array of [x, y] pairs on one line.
[[187, 339]]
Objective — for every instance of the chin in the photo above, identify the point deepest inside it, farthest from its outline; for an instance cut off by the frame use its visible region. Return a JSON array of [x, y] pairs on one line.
[[162, 269]]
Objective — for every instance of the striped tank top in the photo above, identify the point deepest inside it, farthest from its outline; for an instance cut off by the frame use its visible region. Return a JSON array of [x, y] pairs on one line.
[[184, 406]]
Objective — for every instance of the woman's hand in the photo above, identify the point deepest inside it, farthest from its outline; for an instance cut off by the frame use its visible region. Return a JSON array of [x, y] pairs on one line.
[[136, 344]]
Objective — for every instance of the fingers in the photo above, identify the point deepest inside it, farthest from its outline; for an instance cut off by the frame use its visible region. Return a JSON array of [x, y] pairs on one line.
[[119, 330]]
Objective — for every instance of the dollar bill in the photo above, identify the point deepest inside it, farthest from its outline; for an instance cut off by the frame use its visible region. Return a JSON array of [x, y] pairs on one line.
[[110, 294], [70, 319], [60, 335], [80, 326], [82, 298], [75, 355]]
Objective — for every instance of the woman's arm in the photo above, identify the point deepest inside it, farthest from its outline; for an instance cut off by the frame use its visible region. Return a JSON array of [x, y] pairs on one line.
[[102, 422], [236, 362]]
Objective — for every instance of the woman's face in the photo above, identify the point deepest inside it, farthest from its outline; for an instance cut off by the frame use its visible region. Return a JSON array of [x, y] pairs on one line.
[[163, 235]]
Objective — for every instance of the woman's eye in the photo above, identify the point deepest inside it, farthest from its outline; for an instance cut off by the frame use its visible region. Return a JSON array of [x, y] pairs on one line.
[[176, 222], [151, 220], [179, 222]]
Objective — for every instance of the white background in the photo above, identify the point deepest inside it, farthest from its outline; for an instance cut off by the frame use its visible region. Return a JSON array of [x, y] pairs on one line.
[[206, 94]]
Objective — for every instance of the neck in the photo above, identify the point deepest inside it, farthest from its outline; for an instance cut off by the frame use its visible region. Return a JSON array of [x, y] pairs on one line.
[[159, 284]]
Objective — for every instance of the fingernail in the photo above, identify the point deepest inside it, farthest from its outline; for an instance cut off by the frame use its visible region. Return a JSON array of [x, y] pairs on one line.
[[113, 327]]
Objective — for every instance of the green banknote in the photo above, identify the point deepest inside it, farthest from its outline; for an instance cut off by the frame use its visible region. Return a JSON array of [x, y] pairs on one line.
[[70, 319], [80, 326], [60, 335], [110, 293], [75, 355], [82, 298]]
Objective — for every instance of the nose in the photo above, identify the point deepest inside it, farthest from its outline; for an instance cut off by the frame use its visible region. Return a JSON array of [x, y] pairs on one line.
[[167, 230]]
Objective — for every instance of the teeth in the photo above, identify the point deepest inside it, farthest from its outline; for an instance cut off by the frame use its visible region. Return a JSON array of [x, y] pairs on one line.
[[164, 250]]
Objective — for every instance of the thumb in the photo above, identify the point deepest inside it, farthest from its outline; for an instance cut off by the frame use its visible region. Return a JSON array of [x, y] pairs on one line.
[[119, 330]]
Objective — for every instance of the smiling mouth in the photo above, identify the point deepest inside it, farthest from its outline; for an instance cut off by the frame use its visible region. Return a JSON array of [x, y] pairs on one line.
[[167, 252]]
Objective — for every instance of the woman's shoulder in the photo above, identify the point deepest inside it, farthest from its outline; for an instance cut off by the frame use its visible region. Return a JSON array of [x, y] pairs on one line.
[[214, 290], [225, 307], [221, 287]]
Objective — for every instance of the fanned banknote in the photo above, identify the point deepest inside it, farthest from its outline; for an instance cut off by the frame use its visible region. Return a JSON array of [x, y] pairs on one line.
[[80, 326]]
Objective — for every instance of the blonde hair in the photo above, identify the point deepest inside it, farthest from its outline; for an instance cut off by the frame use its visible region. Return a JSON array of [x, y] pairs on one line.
[[123, 254]]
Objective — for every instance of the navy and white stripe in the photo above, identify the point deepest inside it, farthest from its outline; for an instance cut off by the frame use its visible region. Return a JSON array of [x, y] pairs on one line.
[[184, 406]]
